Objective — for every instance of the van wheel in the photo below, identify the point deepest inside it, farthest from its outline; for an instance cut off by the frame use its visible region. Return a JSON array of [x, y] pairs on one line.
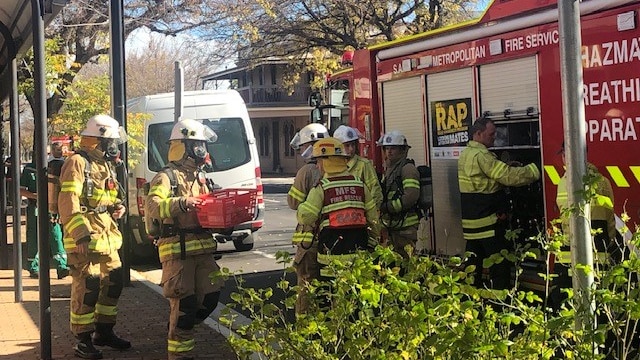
[[242, 247]]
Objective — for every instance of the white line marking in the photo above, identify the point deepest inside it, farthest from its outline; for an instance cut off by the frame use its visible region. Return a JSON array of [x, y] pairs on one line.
[[264, 254]]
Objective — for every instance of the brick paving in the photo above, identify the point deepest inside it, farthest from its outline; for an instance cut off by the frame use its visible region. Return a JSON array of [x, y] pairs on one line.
[[142, 319]]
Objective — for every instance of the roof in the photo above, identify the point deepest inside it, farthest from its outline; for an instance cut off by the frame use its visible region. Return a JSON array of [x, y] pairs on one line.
[[495, 11], [16, 32], [225, 74]]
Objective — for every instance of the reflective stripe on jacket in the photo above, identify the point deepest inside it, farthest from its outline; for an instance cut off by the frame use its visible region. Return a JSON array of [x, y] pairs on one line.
[[482, 178], [343, 195], [164, 207], [398, 212], [83, 215], [306, 178], [564, 257], [601, 212]]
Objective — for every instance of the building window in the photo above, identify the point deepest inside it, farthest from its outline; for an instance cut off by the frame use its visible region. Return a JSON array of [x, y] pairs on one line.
[[274, 73], [261, 75], [289, 132], [263, 134]]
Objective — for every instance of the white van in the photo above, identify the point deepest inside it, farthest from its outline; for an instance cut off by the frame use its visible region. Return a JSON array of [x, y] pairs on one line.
[[234, 155]]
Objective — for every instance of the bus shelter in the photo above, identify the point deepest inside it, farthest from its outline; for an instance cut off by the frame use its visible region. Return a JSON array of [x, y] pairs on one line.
[[22, 24]]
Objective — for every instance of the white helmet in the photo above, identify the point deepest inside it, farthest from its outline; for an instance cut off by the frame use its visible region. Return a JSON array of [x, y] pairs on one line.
[[189, 129], [310, 133], [393, 138], [347, 134], [106, 127]]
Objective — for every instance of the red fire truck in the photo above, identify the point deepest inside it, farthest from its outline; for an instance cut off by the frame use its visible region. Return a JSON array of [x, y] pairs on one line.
[[66, 142], [504, 65]]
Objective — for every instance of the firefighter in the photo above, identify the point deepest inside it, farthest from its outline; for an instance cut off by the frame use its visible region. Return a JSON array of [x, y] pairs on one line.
[[89, 203], [400, 192], [340, 209], [603, 222], [482, 179], [357, 165], [306, 260], [186, 250]]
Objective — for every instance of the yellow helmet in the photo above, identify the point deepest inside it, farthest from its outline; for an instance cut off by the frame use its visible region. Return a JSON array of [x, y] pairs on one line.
[[328, 147]]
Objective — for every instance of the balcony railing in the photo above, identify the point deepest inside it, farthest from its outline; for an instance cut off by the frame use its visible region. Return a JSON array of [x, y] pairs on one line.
[[274, 96]]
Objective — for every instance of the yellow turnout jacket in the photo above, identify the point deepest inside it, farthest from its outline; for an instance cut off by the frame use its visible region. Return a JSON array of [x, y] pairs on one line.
[[85, 210]]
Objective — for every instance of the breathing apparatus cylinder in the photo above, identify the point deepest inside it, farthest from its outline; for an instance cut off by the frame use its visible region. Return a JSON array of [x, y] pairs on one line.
[[425, 201]]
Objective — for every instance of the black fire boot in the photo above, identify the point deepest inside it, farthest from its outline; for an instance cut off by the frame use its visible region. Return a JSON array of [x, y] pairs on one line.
[[84, 349], [104, 336]]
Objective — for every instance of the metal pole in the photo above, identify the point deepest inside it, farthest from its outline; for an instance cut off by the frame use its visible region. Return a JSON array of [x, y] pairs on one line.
[[178, 92], [4, 186], [15, 182], [40, 142], [4, 244], [118, 109], [575, 152]]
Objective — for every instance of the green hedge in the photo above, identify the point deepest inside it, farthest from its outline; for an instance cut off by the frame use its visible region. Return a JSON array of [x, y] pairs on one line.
[[385, 307]]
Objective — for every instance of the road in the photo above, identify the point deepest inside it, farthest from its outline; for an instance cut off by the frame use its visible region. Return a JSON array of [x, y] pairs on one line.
[[258, 267], [275, 236]]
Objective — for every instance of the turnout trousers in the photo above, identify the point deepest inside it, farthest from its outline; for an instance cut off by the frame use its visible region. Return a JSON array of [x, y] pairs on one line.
[[187, 284], [307, 269], [95, 289]]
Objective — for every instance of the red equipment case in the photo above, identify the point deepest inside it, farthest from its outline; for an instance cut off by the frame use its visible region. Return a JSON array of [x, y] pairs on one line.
[[227, 208]]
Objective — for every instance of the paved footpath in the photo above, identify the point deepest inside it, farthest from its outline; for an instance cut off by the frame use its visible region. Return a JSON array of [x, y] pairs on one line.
[[142, 319]]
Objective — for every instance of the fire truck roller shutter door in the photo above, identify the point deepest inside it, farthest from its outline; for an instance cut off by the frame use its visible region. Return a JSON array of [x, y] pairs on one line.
[[402, 111], [448, 89], [509, 91]]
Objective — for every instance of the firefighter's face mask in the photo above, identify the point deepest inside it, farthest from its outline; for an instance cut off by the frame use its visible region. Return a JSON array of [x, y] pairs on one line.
[[110, 148], [197, 150]]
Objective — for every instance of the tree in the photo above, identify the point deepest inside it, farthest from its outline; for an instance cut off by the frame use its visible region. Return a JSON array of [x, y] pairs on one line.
[[314, 33], [86, 98], [56, 70], [150, 69], [82, 31], [26, 138]]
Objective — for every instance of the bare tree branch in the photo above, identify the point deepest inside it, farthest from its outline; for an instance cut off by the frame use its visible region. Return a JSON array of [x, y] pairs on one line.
[[83, 27]]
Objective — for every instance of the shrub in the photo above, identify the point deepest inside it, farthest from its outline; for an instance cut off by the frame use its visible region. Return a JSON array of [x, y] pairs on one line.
[[382, 306]]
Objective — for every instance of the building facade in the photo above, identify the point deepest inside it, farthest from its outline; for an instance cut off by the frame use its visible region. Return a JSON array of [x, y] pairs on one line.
[[276, 112]]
